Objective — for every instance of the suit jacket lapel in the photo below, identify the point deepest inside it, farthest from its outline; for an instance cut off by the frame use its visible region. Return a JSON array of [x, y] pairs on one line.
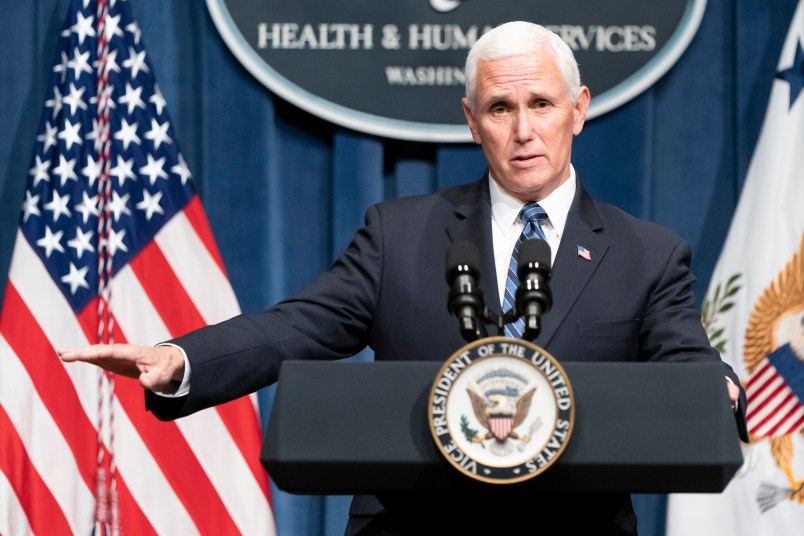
[[571, 272], [472, 222]]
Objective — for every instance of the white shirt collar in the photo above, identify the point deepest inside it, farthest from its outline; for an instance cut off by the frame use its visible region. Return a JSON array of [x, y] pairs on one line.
[[505, 208]]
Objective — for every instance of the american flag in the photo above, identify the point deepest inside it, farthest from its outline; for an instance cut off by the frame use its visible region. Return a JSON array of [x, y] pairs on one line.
[[113, 246], [584, 253], [775, 394]]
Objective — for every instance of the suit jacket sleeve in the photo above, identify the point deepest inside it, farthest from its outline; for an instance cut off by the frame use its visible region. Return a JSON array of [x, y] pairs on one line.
[[328, 320], [672, 316]]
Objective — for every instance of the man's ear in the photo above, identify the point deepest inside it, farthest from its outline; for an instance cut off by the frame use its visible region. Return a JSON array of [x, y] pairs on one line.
[[581, 106], [470, 120]]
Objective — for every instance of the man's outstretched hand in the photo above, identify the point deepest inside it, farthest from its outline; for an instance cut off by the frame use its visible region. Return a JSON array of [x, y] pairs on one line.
[[158, 368]]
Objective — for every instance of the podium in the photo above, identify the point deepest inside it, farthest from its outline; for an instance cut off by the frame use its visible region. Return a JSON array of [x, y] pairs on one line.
[[361, 428]]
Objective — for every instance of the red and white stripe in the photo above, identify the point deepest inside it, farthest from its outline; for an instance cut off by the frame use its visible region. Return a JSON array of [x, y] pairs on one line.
[[197, 475], [773, 409], [501, 426]]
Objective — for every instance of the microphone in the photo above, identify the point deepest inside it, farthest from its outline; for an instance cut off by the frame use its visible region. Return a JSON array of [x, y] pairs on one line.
[[465, 299], [533, 297]]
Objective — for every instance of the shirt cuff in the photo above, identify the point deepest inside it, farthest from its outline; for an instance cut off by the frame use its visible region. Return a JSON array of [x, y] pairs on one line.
[[184, 386], [734, 406]]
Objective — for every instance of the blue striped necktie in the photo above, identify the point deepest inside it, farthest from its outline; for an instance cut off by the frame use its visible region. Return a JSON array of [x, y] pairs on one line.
[[532, 215]]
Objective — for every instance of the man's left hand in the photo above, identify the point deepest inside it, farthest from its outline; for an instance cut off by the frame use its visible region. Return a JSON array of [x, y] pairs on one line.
[[734, 392]]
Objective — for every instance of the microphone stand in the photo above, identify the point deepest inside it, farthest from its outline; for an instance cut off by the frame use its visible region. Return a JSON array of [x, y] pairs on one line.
[[499, 322]]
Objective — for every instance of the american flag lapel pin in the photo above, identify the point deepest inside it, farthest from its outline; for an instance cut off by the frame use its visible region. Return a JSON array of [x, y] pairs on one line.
[[584, 253]]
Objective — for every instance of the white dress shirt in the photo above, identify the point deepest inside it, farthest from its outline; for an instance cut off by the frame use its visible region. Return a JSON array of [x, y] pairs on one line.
[[506, 227]]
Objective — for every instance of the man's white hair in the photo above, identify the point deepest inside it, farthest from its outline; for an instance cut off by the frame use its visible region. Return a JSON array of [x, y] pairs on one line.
[[515, 39]]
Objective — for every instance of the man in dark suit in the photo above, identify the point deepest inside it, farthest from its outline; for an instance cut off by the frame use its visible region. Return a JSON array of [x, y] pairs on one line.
[[621, 287]]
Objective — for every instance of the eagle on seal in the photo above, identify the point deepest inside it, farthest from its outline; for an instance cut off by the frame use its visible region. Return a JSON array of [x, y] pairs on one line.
[[500, 415]]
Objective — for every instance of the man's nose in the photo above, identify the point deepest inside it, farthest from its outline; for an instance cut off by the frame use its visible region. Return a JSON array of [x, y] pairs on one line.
[[524, 126]]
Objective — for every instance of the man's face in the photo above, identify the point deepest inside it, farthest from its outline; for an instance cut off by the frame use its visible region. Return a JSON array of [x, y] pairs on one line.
[[524, 120]]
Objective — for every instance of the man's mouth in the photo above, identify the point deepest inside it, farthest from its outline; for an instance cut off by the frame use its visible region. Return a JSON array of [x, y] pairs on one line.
[[525, 158]]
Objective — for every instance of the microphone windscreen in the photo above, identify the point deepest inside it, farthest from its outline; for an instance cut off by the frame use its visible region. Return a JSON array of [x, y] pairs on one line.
[[461, 253], [536, 251]]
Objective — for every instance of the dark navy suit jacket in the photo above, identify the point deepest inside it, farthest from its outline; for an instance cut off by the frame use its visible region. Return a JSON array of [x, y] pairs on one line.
[[632, 301]]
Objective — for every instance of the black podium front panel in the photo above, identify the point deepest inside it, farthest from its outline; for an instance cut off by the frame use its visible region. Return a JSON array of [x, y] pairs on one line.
[[351, 428]]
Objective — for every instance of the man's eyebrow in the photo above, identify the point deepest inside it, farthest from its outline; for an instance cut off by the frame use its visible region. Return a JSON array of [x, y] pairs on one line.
[[505, 96], [496, 97]]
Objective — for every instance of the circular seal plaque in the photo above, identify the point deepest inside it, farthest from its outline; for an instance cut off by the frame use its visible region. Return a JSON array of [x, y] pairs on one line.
[[396, 69], [501, 410]]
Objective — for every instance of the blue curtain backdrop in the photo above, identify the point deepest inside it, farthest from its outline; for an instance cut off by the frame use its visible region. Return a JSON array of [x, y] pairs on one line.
[[284, 191]]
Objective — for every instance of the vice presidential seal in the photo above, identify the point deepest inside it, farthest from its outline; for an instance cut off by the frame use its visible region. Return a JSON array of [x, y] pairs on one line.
[[501, 410]]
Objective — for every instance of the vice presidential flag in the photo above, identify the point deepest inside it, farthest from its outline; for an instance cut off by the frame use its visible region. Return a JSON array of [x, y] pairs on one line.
[[113, 246], [754, 314]]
